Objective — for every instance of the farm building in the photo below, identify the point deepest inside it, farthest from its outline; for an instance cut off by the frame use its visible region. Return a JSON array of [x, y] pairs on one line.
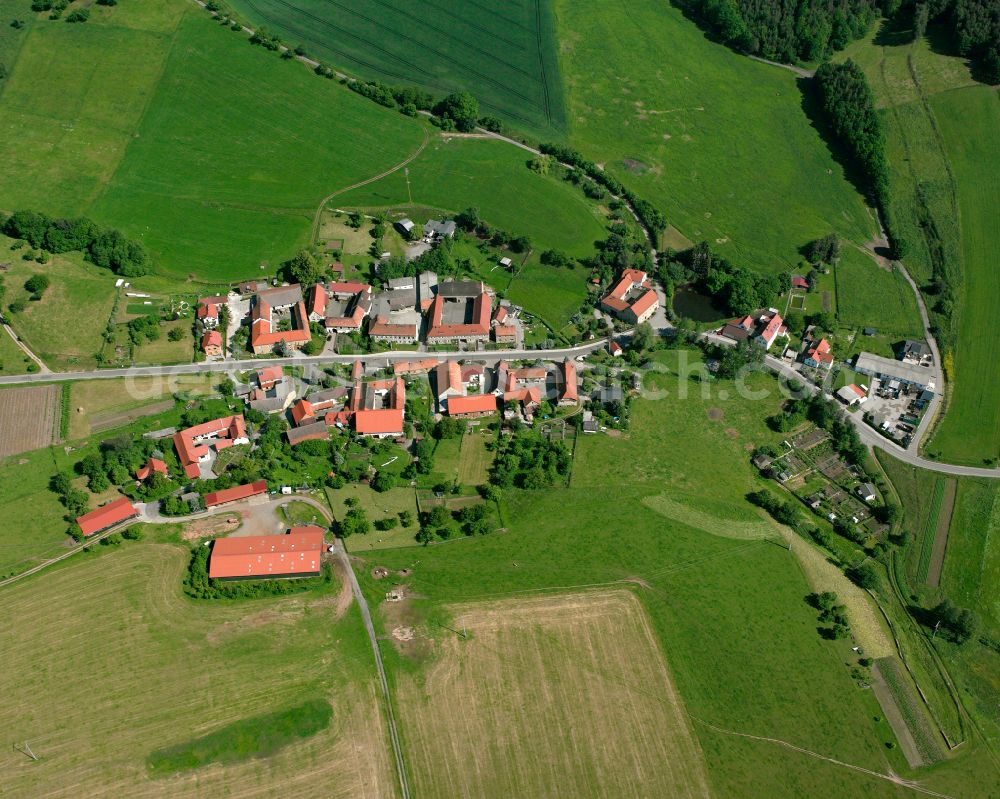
[[457, 316], [568, 394], [909, 374], [394, 333], [264, 335], [107, 516], [314, 431], [215, 498], [296, 554], [194, 444], [405, 226], [377, 408], [632, 299], [851, 394], [472, 406]]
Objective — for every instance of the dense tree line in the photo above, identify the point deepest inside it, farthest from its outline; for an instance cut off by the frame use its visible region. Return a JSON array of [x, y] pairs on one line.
[[975, 25], [791, 30], [849, 106], [106, 247]]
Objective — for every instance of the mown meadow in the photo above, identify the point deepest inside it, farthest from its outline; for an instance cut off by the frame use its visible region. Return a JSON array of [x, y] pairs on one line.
[[728, 610]]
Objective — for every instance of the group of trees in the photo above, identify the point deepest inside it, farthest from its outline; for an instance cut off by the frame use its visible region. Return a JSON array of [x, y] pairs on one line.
[[470, 221], [825, 250], [106, 247], [960, 623], [791, 30], [738, 290], [651, 217], [830, 613], [849, 105], [527, 460], [975, 27]]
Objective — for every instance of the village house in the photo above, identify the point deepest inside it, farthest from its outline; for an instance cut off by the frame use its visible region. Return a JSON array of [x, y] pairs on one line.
[[381, 329], [632, 299], [347, 304], [211, 344], [378, 408], [447, 380], [194, 446], [455, 316], [435, 229], [264, 332], [817, 354], [272, 392], [295, 554], [208, 312], [568, 394], [472, 406], [151, 467]]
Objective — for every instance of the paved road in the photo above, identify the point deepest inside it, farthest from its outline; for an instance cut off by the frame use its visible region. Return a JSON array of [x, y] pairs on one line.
[[221, 367]]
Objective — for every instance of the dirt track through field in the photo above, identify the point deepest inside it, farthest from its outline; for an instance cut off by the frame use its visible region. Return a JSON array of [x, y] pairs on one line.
[[27, 418], [894, 716], [941, 533], [559, 695]]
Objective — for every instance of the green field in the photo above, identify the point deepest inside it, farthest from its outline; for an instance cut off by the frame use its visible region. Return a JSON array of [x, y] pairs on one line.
[[725, 610], [719, 143], [870, 295], [376, 506], [196, 672], [504, 55], [941, 136], [214, 153], [969, 120], [79, 299], [12, 360]]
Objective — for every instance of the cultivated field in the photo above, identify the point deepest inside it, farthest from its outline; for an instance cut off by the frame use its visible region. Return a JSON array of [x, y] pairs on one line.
[[105, 662], [719, 143], [27, 418], [136, 154], [504, 54], [97, 405], [564, 695]]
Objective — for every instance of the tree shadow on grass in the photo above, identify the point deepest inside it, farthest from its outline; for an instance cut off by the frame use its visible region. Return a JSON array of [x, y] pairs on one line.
[[895, 32], [812, 107]]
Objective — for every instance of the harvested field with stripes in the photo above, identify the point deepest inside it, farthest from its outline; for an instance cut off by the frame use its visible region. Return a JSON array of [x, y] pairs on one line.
[[564, 695], [27, 418], [105, 662]]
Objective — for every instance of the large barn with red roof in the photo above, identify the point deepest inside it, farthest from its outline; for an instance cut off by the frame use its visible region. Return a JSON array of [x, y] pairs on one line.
[[295, 554]]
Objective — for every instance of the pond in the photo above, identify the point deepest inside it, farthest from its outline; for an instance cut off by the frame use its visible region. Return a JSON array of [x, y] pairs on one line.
[[700, 307]]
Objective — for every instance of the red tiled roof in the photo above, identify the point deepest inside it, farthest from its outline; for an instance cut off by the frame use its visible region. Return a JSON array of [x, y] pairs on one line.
[[223, 430], [448, 377], [317, 300], [208, 310], [262, 335], [348, 287], [379, 422], [474, 403], [212, 338], [857, 391], [614, 347], [532, 395], [500, 314], [269, 375], [799, 282], [382, 327], [356, 370], [644, 303], [504, 331], [107, 516], [298, 552], [153, 465], [569, 390], [409, 367], [235, 493], [480, 325], [771, 328]]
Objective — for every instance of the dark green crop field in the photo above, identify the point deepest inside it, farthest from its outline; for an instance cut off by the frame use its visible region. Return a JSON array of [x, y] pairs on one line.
[[504, 53]]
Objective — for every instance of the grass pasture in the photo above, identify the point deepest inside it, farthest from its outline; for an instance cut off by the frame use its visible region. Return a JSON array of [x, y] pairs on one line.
[[474, 459], [13, 361], [720, 144], [535, 732], [376, 506], [871, 296], [969, 119], [505, 55], [194, 670], [79, 299], [726, 611]]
